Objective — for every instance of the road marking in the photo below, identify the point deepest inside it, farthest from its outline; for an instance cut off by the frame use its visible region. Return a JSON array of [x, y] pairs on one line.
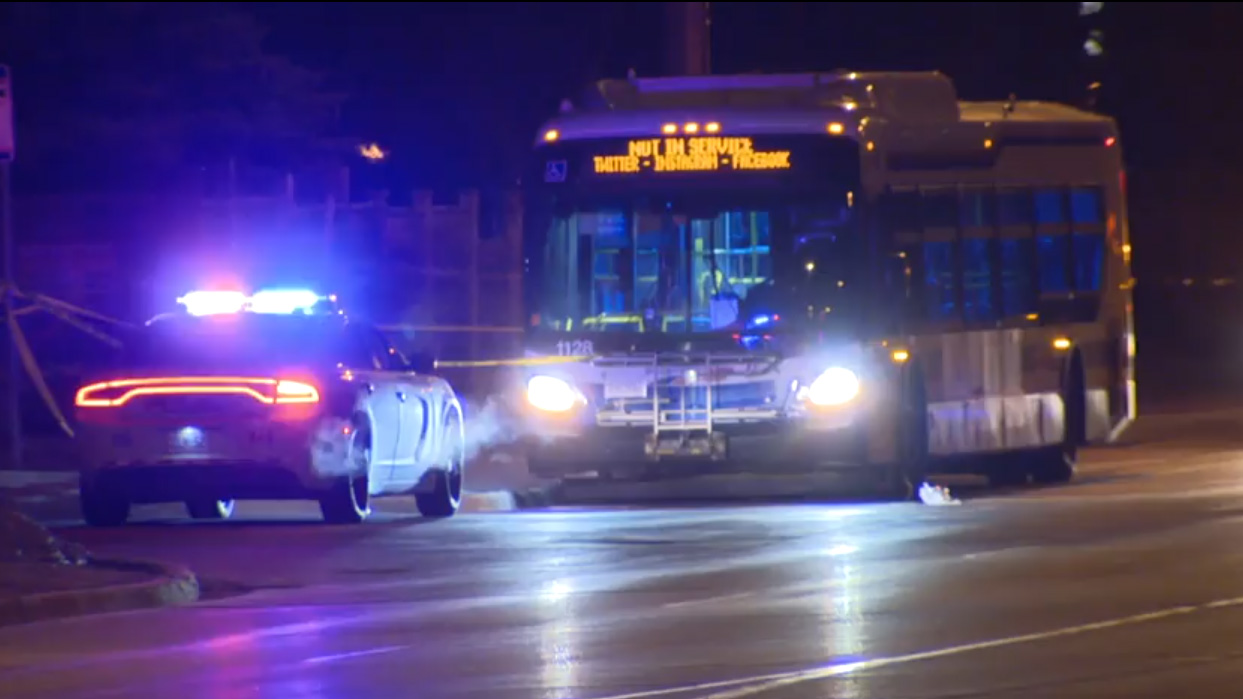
[[759, 684], [353, 654], [709, 600]]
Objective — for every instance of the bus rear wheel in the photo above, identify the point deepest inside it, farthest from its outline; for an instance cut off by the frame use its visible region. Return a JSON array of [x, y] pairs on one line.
[[1056, 464]]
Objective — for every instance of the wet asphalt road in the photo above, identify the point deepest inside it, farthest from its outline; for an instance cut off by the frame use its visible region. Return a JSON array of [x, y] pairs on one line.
[[1127, 584]]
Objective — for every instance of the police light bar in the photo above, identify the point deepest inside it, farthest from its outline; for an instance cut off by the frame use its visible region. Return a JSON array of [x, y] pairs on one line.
[[271, 301], [206, 303], [284, 301]]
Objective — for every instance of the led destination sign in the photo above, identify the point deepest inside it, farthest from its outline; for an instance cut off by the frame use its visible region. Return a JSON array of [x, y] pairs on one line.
[[701, 154]]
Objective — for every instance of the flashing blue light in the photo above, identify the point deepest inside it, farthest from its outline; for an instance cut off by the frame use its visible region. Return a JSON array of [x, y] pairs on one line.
[[762, 320], [751, 342], [206, 303], [284, 301]]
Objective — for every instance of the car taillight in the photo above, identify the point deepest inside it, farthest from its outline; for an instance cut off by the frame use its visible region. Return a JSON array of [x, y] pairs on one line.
[[296, 392], [112, 394]]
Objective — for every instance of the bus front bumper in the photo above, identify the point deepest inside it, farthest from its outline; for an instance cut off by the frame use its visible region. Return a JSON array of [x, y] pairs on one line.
[[773, 446]]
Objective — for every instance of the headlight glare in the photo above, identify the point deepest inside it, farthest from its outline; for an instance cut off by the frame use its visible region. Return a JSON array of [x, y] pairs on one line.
[[835, 386], [551, 394]]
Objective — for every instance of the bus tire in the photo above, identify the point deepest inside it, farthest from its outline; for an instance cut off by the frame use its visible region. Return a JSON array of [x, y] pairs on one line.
[[1057, 463], [904, 478], [1010, 471]]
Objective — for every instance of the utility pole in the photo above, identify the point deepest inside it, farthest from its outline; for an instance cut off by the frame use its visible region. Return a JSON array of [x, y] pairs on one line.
[[8, 151], [689, 38], [1094, 54]]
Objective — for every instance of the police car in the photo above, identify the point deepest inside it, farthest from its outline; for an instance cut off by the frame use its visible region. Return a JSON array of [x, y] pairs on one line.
[[270, 395]]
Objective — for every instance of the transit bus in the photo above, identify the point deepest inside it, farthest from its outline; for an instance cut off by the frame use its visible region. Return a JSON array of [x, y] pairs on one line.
[[786, 273]]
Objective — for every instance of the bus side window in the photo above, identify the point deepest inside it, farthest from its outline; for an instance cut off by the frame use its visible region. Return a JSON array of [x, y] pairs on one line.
[[939, 279], [903, 243], [1087, 217], [977, 222], [1052, 242], [1015, 216], [940, 219]]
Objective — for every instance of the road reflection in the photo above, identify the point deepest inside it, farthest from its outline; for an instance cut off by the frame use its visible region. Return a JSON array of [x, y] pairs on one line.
[[558, 654]]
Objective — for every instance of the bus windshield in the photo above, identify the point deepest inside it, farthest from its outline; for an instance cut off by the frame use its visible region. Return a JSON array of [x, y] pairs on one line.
[[692, 264]]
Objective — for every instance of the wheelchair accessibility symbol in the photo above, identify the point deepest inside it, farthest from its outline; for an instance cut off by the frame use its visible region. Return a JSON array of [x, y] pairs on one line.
[[555, 171]]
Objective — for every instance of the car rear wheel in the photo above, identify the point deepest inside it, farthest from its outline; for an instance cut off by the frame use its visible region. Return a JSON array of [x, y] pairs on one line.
[[210, 509], [348, 501], [446, 496], [103, 504]]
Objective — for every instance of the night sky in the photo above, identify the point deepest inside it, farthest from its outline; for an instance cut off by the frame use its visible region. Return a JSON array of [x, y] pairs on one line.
[[456, 90]]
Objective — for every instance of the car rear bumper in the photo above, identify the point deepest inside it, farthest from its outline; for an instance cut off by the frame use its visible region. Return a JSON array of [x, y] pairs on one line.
[[152, 483], [277, 461]]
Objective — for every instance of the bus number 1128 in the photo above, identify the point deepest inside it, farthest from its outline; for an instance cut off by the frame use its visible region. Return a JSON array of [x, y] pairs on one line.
[[575, 348]]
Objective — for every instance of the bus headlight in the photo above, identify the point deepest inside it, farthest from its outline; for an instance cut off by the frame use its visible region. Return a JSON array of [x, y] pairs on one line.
[[835, 386], [551, 394]]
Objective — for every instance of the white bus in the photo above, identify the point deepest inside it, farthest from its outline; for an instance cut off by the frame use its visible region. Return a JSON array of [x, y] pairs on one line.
[[805, 271]]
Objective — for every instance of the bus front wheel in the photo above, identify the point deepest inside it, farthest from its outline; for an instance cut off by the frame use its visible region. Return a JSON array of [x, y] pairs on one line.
[[904, 478]]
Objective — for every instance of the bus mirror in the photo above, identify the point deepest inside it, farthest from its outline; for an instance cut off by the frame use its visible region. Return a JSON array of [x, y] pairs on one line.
[[896, 277]]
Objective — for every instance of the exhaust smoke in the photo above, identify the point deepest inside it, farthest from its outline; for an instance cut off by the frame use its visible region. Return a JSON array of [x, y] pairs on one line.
[[489, 424]]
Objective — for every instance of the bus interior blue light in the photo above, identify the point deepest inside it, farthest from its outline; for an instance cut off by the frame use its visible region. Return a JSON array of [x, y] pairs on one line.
[[284, 301], [205, 303]]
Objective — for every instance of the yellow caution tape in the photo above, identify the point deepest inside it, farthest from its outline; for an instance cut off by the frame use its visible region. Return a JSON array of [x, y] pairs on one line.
[[523, 361], [70, 320], [32, 370], [452, 328], [69, 307]]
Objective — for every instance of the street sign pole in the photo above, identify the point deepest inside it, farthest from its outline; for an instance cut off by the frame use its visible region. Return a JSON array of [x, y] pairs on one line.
[[8, 143]]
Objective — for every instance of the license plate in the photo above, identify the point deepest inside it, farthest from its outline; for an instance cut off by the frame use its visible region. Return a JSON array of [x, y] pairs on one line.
[[625, 384], [188, 440]]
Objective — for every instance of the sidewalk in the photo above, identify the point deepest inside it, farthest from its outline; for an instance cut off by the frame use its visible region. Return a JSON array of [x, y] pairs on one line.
[[43, 577], [36, 591]]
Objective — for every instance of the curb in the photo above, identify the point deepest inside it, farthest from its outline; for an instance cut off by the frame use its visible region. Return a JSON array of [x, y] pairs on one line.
[[536, 498], [490, 501], [532, 498], [171, 586]]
